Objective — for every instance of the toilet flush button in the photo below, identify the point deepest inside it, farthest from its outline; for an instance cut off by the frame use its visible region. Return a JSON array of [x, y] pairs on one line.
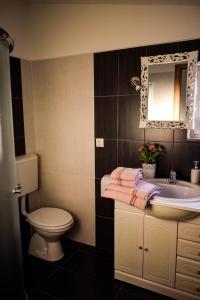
[[100, 143]]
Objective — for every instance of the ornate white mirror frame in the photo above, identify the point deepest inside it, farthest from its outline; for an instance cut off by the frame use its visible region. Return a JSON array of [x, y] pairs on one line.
[[188, 57], [194, 133]]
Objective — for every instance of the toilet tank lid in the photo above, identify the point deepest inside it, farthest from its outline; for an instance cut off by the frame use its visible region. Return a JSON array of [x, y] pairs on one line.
[[25, 157]]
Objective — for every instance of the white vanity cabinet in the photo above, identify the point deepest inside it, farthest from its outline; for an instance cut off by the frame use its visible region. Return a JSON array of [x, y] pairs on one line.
[[129, 242], [152, 253], [159, 250], [145, 246], [188, 257]]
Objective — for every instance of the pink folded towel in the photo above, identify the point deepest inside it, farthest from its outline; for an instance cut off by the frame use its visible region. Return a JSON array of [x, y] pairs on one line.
[[120, 188], [126, 173], [138, 196], [126, 198], [143, 194], [127, 183], [116, 173], [131, 174]]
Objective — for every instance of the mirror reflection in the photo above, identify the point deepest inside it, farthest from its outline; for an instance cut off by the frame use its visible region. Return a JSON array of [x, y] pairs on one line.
[[167, 91]]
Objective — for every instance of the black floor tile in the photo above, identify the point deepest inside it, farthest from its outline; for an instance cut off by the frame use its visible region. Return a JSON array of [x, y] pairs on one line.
[[68, 285], [37, 271], [70, 248], [36, 295], [91, 265], [130, 292], [97, 251], [87, 273]]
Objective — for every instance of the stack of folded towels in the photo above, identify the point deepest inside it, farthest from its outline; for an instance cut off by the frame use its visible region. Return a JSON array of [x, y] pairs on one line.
[[127, 185]]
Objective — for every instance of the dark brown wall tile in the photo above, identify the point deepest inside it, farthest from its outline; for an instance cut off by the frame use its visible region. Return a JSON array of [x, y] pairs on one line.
[[189, 46], [122, 150], [159, 135], [128, 154], [106, 117], [104, 206], [18, 118], [180, 135], [106, 73], [106, 158], [129, 118], [129, 66], [105, 233], [162, 49], [183, 156], [15, 74], [19, 146], [164, 165]]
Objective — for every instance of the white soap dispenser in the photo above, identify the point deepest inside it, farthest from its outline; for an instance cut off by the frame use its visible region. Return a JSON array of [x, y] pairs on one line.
[[195, 173]]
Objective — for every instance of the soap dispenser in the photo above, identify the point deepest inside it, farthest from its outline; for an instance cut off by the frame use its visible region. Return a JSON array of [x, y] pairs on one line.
[[195, 172]]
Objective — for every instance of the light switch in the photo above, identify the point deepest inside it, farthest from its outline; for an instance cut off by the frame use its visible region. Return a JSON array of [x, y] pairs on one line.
[[100, 143]]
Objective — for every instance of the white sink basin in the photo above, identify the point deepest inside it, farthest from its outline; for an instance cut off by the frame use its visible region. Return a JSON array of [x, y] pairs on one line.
[[178, 201], [182, 191]]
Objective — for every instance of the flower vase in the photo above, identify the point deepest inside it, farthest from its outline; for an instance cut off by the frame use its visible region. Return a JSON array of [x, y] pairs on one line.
[[148, 170]]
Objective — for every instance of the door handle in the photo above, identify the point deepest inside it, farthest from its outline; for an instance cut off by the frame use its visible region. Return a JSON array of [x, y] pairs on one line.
[[17, 190]]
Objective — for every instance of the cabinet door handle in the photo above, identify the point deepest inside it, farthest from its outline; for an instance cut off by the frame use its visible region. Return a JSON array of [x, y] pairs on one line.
[[198, 289], [140, 247], [146, 249]]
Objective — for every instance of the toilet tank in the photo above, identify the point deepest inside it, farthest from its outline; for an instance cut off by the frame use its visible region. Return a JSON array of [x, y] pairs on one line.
[[27, 172]]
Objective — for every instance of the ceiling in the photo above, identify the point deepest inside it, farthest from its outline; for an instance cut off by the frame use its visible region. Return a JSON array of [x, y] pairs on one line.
[[136, 2]]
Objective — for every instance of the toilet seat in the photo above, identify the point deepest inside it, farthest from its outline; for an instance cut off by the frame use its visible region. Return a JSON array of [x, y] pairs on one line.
[[49, 217]]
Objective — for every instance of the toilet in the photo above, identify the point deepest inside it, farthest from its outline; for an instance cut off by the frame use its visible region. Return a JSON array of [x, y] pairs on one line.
[[49, 223]]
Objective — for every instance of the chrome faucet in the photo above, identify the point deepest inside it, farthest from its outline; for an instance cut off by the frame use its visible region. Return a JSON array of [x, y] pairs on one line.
[[172, 177]]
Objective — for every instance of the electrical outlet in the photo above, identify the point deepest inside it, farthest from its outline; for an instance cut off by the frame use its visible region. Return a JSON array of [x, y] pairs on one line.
[[100, 143]]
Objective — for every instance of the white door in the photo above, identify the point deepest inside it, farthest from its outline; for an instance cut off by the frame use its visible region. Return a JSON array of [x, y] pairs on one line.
[[160, 238], [129, 242], [11, 283]]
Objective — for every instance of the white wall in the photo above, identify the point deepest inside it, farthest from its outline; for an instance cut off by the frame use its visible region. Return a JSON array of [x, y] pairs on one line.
[[43, 31], [59, 29]]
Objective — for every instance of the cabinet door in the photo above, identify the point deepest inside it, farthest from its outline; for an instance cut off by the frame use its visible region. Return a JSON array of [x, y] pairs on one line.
[[129, 242], [159, 250]]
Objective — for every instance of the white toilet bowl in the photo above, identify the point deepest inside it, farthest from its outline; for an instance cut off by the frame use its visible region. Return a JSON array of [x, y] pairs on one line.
[[49, 224]]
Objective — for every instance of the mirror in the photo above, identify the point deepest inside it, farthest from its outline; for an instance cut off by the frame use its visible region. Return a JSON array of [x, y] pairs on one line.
[[167, 94]]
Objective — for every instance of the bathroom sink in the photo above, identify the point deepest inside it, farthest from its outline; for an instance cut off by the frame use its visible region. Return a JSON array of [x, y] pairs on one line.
[[178, 201]]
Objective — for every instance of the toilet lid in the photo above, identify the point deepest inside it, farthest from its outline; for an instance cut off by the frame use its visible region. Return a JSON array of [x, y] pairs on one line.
[[50, 217]]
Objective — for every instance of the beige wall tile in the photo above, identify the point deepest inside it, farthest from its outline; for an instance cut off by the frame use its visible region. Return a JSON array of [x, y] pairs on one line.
[[75, 194], [63, 127]]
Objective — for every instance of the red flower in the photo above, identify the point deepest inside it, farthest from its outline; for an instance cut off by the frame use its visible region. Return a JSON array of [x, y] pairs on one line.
[[152, 147], [141, 149]]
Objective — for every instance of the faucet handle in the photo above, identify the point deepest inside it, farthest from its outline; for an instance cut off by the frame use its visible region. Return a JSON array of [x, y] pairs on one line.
[[172, 176], [196, 164]]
